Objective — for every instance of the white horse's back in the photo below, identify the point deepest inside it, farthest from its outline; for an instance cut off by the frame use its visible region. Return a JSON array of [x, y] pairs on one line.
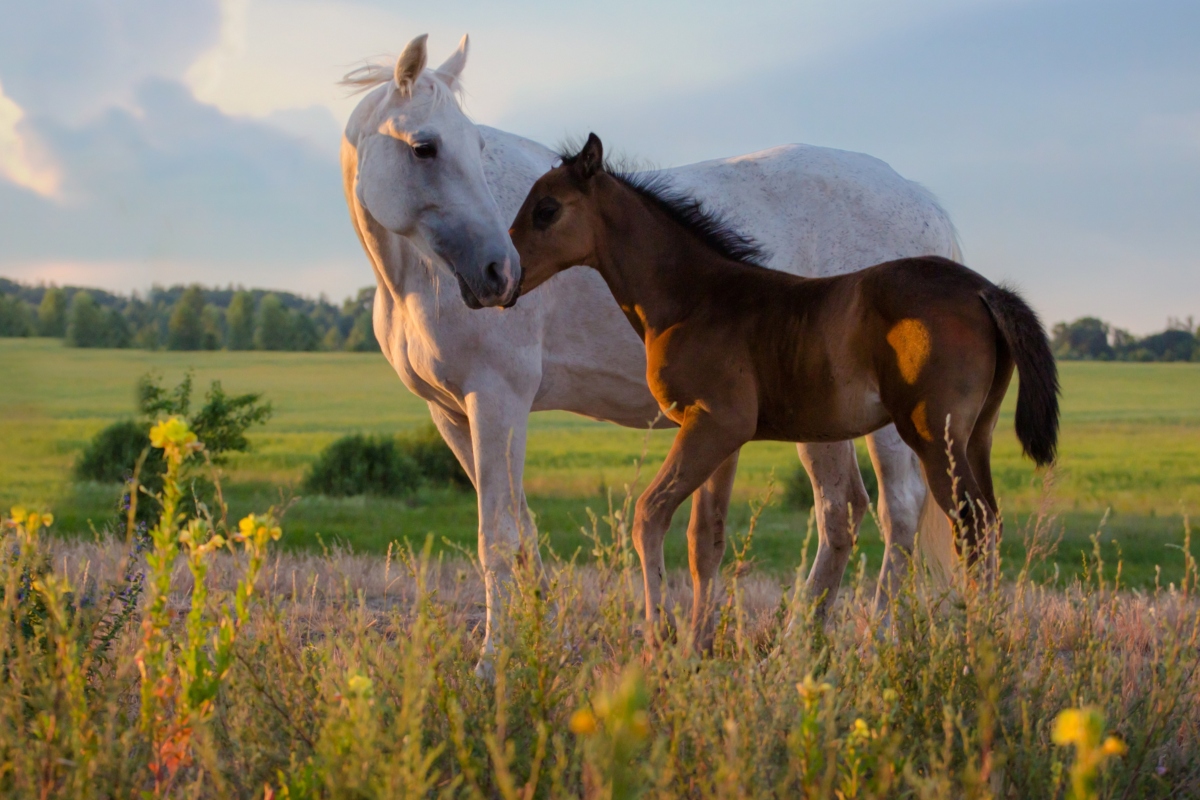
[[820, 211]]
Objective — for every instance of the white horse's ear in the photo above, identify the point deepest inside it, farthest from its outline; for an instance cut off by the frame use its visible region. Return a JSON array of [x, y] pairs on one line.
[[410, 63], [450, 71]]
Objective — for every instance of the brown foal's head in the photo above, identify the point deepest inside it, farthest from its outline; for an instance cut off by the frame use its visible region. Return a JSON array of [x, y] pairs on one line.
[[556, 226]]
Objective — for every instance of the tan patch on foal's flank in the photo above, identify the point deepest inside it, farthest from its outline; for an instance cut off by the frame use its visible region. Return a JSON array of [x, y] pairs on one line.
[[921, 422], [911, 341]]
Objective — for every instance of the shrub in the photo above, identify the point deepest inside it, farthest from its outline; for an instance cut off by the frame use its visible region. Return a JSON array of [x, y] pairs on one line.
[[386, 466], [359, 464], [222, 423], [110, 455], [798, 490]]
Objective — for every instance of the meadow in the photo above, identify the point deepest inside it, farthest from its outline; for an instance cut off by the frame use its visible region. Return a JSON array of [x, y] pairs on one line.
[[1130, 455], [339, 659]]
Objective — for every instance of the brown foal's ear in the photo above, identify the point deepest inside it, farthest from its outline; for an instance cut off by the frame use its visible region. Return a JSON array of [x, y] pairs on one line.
[[590, 159]]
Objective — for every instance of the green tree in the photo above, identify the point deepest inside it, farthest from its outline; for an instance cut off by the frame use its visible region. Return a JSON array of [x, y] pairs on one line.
[[117, 331], [185, 330], [88, 326], [15, 318], [305, 335], [333, 339], [239, 322], [52, 313], [274, 329], [212, 322], [1086, 338], [147, 336], [361, 336]]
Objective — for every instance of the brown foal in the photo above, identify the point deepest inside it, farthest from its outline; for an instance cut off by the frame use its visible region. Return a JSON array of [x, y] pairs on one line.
[[737, 352]]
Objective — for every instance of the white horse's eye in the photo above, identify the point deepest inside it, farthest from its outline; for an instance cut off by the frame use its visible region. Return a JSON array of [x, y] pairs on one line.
[[424, 150]]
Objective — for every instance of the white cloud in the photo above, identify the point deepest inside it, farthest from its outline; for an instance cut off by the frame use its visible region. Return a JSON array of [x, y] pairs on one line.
[[173, 189], [21, 160], [73, 58], [291, 53]]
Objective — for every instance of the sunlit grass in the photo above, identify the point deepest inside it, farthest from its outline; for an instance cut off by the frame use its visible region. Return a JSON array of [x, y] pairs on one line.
[[1130, 443]]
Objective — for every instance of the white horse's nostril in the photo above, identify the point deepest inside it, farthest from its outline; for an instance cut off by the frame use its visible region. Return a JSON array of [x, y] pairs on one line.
[[492, 274]]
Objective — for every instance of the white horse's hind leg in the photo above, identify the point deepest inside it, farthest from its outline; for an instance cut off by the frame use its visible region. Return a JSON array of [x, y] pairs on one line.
[[840, 500], [498, 427], [902, 492]]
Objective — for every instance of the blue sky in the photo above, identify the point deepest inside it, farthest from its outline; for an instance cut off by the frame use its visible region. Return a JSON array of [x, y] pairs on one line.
[[196, 140]]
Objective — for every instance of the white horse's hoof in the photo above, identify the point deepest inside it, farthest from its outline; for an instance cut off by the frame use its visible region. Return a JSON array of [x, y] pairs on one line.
[[485, 670]]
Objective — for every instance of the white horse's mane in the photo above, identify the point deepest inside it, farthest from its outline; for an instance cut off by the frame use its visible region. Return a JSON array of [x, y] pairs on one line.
[[377, 73]]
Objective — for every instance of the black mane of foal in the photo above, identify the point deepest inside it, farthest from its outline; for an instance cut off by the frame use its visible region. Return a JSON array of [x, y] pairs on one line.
[[709, 227]]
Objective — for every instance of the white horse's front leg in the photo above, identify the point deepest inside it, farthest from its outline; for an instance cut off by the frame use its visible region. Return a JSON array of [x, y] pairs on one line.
[[498, 422], [456, 432]]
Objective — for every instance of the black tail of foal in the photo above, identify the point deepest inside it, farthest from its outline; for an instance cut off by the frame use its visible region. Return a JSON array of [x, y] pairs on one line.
[[1037, 396]]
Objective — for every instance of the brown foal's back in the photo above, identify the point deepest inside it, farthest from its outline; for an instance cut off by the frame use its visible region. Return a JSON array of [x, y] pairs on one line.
[[737, 352]]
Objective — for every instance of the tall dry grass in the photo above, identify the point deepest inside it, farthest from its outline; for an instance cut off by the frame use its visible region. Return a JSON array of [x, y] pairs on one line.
[[353, 676]]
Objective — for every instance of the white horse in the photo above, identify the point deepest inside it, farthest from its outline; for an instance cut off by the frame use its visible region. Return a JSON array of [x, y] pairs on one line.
[[431, 195]]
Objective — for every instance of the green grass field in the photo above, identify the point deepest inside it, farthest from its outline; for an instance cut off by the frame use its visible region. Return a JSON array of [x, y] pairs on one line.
[[1130, 444]]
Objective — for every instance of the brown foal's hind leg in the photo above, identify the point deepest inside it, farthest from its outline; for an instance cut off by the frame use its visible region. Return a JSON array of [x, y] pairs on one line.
[[706, 547], [959, 496], [700, 447], [979, 456], [840, 500]]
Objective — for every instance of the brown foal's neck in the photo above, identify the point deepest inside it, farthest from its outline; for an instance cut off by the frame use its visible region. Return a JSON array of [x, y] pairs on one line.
[[656, 269]]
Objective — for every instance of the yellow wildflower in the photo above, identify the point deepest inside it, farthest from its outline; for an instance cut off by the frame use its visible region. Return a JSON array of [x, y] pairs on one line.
[[583, 722], [1076, 726], [47, 520], [359, 684], [1114, 747], [640, 724], [18, 514], [174, 438]]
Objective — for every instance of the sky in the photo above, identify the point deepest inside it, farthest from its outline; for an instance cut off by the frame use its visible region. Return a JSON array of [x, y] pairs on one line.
[[145, 142]]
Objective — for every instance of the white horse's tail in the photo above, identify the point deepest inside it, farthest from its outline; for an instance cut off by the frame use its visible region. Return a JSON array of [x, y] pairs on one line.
[[936, 540]]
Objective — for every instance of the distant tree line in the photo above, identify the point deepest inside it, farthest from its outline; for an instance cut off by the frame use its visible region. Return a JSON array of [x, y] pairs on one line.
[[187, 318], [1092, 339]]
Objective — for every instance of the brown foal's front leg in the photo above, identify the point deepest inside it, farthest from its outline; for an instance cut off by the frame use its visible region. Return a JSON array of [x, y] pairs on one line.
[[706, 547], [700, 447]]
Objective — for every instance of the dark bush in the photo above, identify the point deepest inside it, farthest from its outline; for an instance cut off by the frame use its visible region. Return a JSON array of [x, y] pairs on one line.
[[436, 461], [221, 423], [798, 490], [112, 453], [358, 464]]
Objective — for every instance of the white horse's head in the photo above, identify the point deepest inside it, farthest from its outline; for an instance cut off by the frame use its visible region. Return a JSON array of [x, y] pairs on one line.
[[420, 172]]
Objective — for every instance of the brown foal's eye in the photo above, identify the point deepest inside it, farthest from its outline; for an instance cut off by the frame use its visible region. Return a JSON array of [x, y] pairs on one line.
[[545, 212], [424, 150]]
